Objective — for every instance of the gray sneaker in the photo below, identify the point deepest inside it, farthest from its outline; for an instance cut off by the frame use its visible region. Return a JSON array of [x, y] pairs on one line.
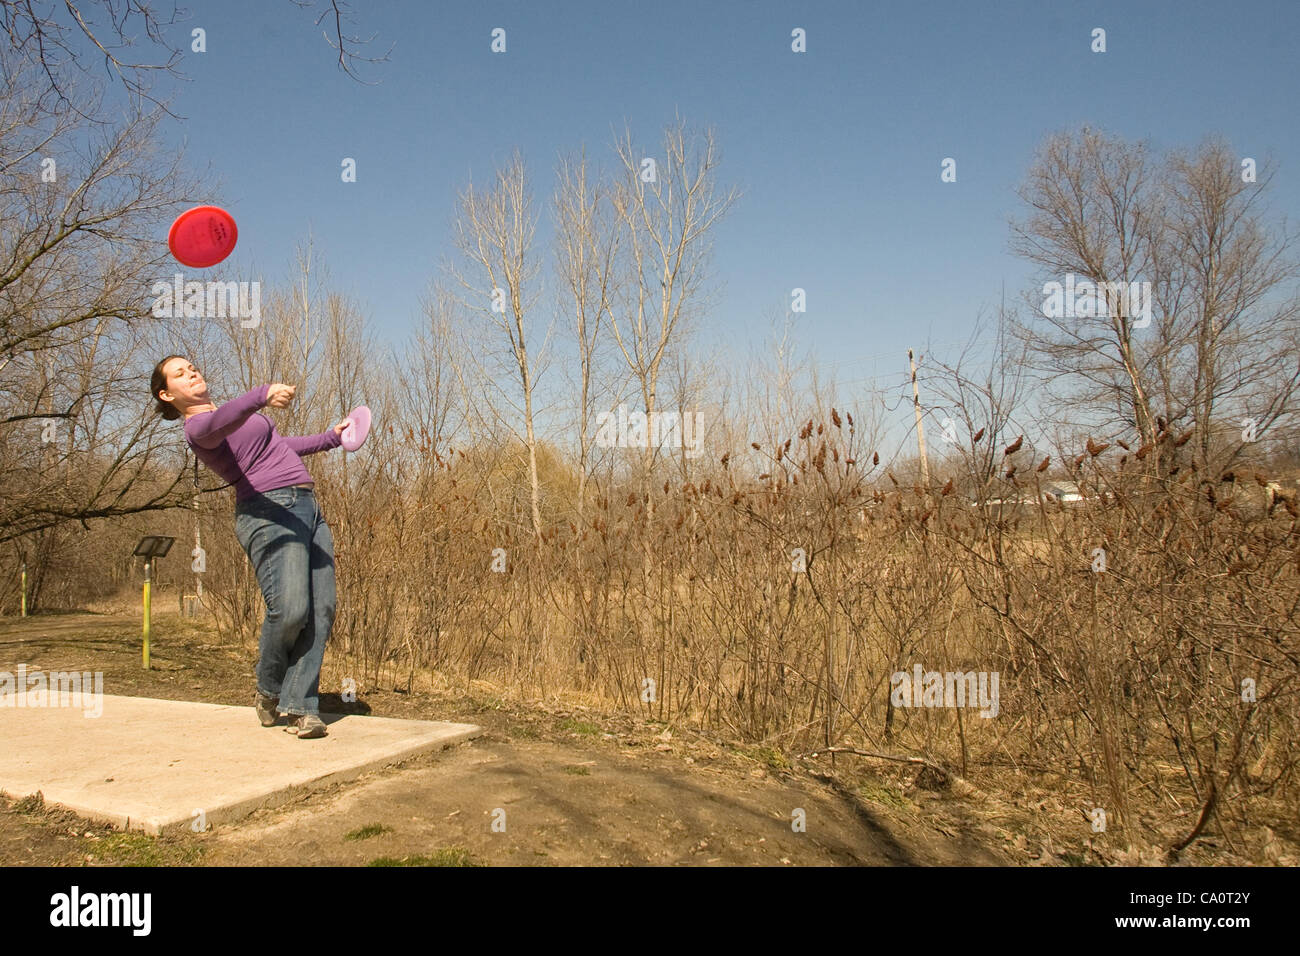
[[307, 726], [265, 707]]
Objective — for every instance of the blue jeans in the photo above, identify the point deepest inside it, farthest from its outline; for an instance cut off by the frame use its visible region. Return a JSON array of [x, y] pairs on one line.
[[286, 538]]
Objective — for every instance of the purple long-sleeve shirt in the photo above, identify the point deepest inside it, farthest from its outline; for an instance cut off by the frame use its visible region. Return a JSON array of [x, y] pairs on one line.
[[245, 449]]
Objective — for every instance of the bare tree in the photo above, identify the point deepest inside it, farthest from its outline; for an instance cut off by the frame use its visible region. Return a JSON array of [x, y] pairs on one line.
[[982, 402], [1219, 339], [667, 206], [336, 14], [80, 207], [1231, 343], [494, 235], [62, 38], [1093, 204], [433, 397], [587, 246]]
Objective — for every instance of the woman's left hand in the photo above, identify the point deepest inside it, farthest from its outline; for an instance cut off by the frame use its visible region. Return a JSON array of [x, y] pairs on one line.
[[338, 429]]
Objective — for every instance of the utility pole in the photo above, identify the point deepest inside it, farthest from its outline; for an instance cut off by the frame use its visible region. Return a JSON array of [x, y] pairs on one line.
[[920, 431]]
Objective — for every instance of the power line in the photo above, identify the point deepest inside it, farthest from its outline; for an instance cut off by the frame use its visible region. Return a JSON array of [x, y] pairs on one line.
[[892, 352]]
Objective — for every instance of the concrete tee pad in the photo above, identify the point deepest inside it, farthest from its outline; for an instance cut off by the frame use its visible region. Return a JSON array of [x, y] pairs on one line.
[[146, 764]]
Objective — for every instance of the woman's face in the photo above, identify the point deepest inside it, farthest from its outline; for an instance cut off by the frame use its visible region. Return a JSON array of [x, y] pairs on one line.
[[185, 385]]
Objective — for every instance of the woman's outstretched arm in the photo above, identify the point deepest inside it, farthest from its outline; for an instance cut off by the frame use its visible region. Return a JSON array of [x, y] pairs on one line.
[[209, 429], [310, 444]]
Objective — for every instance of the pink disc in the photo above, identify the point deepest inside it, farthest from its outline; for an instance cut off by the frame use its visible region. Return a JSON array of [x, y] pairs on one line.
[[355, 434]]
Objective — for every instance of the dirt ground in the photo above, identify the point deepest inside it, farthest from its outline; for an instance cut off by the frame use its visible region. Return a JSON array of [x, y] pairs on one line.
[[577, 787]]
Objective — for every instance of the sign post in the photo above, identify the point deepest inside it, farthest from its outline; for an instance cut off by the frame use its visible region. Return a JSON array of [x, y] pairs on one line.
[[147, 609], [149, 548]]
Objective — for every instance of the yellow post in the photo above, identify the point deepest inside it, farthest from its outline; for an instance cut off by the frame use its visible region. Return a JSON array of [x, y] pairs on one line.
[[24, 589], [146, 614]]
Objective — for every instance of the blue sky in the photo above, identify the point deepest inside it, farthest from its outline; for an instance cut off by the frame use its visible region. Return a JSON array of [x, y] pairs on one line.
[[837, 150]]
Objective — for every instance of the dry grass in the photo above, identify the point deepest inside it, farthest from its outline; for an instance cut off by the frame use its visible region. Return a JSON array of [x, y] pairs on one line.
[[1119, 689]]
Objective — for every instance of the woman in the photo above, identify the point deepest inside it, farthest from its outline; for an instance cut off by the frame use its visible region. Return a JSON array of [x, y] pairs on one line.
[[279, 525]]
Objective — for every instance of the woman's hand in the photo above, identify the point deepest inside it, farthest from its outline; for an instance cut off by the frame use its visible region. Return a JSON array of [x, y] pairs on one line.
[[279, 396], [338, 429]]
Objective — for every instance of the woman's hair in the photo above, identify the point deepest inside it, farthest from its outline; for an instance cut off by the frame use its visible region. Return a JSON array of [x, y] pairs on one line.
[[158, 382]]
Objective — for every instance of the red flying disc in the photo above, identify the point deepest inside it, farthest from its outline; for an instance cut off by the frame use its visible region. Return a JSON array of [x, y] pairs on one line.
[[202, 236], [356, 433]]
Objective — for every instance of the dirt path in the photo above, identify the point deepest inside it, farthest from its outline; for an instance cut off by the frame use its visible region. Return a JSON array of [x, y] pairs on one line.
[[572, 786], [589, 802]]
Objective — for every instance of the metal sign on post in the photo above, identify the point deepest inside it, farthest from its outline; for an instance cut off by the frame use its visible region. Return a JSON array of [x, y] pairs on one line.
[[150, 548]]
